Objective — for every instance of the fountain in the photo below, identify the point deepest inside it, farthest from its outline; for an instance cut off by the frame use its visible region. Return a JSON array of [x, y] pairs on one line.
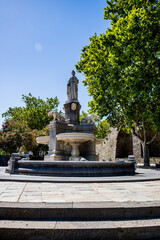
[[72, 145], [69, 139], [75, 139]]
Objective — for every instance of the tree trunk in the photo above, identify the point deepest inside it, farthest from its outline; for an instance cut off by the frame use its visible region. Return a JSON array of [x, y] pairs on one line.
[[145, 154]]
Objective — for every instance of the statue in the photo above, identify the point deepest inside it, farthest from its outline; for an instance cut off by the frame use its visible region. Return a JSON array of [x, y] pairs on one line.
[[90, 118], [56, 116], [72, 87]]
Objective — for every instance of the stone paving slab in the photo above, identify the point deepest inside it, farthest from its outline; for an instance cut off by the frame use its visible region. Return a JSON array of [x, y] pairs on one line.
[[145, 186], [128, 194], [79, 192]]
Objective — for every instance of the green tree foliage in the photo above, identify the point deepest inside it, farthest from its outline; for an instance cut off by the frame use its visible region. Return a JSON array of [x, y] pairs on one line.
[[103, 128], [16, 135], [83, 115], [24, 124], [1, 139], [35, 112], [122, 68]]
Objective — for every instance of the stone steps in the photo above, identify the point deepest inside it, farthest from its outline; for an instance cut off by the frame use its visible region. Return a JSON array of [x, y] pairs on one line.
[[145, 229], [81, 220], [80, 210]]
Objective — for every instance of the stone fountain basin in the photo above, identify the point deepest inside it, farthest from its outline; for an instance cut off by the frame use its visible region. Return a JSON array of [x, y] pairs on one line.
[[43, 140], [75, 137], [73, 168]]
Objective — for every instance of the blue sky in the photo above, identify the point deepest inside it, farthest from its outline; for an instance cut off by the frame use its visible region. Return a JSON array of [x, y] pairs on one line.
[[40, 43]]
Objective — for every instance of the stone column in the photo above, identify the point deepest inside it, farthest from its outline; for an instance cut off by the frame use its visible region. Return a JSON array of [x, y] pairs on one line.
[[56, 149], [90, 151], [72, 112]]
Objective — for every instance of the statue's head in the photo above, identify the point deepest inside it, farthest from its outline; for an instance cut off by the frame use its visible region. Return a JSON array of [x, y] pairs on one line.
[[73, 73]]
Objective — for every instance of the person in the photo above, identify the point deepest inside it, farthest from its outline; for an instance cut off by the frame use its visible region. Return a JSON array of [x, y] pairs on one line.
[[72, 87]]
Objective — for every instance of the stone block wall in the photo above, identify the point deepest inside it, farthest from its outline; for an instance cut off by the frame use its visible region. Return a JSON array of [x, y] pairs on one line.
[[120, 145], [107, 151]]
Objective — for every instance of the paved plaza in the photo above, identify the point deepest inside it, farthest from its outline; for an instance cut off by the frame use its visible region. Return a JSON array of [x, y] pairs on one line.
[[119, 207], [79, 192], [18, 191]]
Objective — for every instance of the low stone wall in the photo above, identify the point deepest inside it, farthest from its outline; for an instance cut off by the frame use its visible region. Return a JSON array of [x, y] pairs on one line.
[[69, 168]]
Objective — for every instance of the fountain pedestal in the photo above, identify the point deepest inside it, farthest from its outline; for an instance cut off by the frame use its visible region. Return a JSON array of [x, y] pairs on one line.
[[75, 154], [75, 139], [72, 109], [58, 148]]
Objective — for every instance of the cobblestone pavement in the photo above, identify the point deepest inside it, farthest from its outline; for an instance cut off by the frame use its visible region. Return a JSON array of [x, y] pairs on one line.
[[79, 192]]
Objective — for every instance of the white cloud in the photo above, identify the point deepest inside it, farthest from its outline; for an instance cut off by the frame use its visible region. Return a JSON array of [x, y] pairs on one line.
[[38, 47]]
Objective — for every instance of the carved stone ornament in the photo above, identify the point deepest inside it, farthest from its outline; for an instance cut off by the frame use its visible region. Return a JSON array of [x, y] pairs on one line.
[[73, 106]]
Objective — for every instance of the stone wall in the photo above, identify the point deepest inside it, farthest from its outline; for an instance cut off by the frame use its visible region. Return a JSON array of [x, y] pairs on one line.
[[107, 151], [154, 147], [124, 145], [120, 145]]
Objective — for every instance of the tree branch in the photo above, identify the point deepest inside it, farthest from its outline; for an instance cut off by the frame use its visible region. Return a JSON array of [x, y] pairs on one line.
[[136, 134], [152, 138]]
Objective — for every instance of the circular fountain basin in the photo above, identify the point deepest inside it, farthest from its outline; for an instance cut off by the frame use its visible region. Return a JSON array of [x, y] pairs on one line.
[[43, 140], [72, 168], [75, 137]]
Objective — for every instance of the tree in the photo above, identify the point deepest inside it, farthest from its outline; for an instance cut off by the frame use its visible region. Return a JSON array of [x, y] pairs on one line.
[[35, 112], [83, 115], [122, 69], [1, 139], [24, 124], [16, 135], [103, 128]]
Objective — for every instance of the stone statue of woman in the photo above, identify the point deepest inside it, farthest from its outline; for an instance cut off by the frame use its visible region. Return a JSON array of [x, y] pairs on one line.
[[72, 87]]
